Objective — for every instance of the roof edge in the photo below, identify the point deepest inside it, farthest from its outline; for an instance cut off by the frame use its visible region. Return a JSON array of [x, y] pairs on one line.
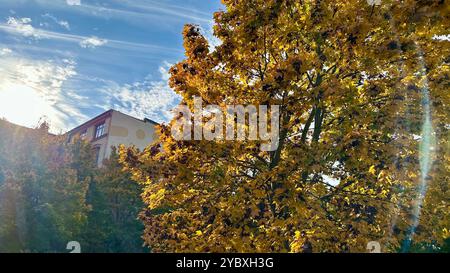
[[110, 111]]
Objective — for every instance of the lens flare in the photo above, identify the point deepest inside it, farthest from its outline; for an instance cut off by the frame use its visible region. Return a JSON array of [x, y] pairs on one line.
[[425, 158]]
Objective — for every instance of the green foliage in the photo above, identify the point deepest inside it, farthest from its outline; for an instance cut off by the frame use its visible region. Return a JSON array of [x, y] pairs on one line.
[[42, 204], [112, 224], [51, 192]]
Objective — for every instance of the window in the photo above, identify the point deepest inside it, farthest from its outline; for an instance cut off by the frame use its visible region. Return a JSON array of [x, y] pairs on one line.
[[97, 154], [100, 130]]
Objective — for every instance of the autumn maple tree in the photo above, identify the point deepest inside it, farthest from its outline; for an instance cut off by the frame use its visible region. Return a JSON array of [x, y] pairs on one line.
[[363, 91]]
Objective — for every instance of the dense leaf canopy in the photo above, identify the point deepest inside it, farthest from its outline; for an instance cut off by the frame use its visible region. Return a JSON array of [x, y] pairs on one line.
[[363, 91]]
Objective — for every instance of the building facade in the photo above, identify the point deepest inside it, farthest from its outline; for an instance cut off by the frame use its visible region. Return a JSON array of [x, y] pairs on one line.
[[113, 128]]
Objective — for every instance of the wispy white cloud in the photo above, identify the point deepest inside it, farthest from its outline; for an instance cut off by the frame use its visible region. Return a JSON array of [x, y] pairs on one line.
[[139, 11], [5, 51], [208, 33], [172, 10], [32, 89], [148, 98], [60, 90], [73, 2], [62, 23], [166, 6], [23, 27], [45, 34], [92, 42]]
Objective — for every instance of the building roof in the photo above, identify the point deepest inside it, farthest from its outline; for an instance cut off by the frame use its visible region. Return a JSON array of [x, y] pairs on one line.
[[107, 113]]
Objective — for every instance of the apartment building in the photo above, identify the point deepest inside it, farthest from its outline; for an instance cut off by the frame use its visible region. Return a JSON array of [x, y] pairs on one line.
[[113, 128]]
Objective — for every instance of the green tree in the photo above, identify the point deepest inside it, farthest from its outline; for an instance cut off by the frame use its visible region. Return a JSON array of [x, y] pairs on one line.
[[44, 195], [113, 224]]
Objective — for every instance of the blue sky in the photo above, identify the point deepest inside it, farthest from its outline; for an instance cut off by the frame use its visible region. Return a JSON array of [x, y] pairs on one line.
[[70, 60]]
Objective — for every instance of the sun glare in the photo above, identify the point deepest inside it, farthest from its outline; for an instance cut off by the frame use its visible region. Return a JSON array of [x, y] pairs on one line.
[[22, 104]]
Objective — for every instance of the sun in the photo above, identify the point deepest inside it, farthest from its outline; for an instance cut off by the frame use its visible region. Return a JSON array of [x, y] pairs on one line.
[[22, 104]]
